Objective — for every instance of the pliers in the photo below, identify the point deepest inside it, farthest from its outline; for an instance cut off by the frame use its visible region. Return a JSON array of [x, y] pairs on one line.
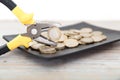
[[33, 30]]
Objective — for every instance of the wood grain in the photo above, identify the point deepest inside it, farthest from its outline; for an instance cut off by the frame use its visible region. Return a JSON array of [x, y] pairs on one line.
[[102, 63]]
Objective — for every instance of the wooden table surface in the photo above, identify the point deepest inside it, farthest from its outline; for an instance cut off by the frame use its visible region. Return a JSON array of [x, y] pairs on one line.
[[101, 63]]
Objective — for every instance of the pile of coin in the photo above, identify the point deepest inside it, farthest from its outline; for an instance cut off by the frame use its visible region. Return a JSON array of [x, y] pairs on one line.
[[68, 39]]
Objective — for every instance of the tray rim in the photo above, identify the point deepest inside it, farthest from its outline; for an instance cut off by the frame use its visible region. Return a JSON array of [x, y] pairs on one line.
[[76, 51]]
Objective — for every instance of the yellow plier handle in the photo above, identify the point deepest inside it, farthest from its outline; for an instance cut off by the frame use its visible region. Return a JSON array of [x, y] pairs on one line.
[[16, 42], [19, 13], [23, 18]]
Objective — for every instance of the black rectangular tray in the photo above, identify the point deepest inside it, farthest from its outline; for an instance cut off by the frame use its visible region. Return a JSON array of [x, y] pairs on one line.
[[112, 35]]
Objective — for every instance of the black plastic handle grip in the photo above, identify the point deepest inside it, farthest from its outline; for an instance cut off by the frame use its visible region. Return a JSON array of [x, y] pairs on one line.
[[4, 49], [9, 3]]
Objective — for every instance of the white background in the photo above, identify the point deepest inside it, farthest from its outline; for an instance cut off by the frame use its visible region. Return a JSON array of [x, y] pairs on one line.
[[67, 9]]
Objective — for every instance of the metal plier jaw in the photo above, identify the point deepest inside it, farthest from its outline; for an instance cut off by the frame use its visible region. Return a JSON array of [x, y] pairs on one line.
[[24, 39], [34, 32]]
